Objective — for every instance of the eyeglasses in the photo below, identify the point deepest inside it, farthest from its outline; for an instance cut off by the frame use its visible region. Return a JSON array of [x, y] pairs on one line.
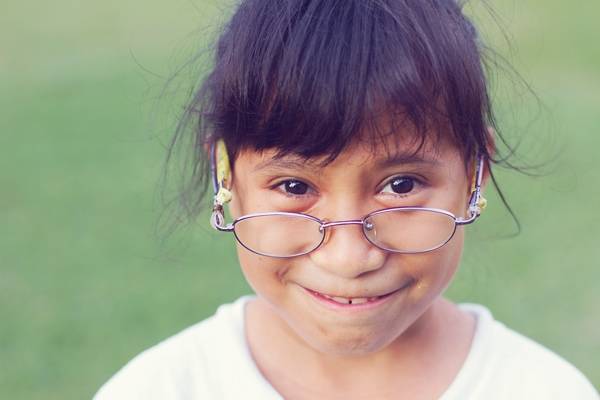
[[406, 230]]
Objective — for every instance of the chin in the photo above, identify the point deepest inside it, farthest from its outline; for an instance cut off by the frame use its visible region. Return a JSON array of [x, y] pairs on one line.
[[345, 342]]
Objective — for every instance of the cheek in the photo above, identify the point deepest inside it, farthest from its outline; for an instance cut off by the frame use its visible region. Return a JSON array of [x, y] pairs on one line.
[[434, 271], [235, 207], [264, 274]]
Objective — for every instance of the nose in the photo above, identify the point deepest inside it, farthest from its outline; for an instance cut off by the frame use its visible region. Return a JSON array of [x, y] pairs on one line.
[[346, 252]]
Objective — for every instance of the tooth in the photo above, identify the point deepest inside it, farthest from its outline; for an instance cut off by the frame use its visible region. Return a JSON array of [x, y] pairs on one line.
[[342, 300], [346, 300]]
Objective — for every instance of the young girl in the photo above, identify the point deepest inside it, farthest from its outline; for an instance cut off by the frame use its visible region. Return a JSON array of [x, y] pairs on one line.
[[350, 141]]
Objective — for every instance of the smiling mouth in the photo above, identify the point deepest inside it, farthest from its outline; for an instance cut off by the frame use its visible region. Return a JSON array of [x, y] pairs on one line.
[[348, 301]]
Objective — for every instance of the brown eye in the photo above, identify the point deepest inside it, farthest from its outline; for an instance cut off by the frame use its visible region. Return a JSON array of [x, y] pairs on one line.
[[295, 187], [400, 185]]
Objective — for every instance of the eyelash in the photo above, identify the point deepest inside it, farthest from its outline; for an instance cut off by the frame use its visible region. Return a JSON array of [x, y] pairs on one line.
[[278, 186], [418, 183]]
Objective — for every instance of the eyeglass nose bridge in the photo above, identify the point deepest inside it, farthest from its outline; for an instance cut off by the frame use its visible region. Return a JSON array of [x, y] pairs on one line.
[[366, 225]]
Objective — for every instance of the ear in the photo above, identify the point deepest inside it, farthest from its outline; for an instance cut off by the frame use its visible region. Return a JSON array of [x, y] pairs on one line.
[[234, 207], [484, 167], [491, 150], [206, 145], [491, 141]]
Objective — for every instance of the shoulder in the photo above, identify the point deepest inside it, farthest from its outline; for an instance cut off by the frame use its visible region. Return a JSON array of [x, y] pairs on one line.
[[514, 366], [187, 365]]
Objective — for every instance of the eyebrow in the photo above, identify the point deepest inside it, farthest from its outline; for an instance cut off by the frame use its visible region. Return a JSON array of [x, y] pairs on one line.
[[283, 163], [406, 158], [292, 162]]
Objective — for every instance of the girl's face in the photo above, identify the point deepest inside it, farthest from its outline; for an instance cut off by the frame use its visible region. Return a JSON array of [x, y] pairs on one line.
[[346, 265]]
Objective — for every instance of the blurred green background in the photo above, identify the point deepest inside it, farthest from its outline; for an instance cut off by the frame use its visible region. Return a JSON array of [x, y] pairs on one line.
[[85, 282]]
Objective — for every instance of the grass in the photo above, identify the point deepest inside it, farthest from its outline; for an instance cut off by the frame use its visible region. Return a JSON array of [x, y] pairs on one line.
[[84, 282]]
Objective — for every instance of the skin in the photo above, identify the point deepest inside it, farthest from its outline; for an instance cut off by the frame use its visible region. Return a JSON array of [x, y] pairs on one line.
[[412, 345]]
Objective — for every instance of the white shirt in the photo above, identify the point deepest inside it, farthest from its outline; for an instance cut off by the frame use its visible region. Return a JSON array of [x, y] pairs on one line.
[[211, 360]]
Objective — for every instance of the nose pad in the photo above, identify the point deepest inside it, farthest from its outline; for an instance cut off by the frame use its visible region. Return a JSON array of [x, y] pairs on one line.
[[369, 230], [326, 231]]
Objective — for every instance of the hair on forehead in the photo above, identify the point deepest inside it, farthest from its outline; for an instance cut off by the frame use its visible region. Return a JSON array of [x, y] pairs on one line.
[[311, 77], [381, 140]]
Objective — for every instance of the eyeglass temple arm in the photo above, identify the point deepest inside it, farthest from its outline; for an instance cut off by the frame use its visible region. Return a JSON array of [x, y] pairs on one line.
[[477, 202], [220, 170]]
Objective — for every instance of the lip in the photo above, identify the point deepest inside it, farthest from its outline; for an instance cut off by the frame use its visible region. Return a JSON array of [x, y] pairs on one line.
[[369, 305]]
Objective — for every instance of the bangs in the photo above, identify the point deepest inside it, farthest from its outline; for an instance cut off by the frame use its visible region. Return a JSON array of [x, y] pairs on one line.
[[313, 77]]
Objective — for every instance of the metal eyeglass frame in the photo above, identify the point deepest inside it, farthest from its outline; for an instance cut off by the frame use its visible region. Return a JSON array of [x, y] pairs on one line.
[[476, 205]]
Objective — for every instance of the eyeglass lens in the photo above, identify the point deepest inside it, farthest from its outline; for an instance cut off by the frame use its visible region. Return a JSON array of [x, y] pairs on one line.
[[399, 230], [410, 231], [279, 235]]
